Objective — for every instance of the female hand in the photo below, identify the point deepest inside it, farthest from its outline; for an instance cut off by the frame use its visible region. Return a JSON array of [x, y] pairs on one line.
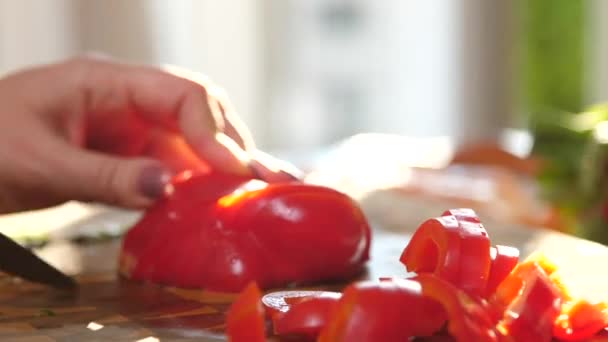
[[91, 129]]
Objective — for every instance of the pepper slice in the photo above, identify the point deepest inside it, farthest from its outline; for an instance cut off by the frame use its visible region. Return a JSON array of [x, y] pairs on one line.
[[305, 318], [531, 316], [245, 321], [468, 318], [383, 311], [280, 302], [580, 320], [456, 250], [504, 259], [510, 288], [463, 214]]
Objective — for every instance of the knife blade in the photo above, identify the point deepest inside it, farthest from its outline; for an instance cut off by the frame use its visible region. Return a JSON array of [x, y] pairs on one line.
[[19, 261]]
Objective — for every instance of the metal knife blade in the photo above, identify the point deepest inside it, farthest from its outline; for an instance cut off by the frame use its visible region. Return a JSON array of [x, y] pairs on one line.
[[19, 261]]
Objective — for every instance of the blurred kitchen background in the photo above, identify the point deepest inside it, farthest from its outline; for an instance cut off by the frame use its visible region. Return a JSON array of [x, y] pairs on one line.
[[435, 78], [309, 73]]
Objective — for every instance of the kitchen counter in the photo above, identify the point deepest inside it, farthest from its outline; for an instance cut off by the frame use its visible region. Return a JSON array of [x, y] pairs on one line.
[[110, 308]]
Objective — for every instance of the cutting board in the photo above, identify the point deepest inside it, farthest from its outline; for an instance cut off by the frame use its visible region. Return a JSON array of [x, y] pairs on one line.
[[108, 308]]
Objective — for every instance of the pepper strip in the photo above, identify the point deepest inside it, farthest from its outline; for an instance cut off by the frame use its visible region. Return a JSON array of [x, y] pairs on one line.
[[468, 318], [580, 320], [531, 316], [456, 250], [383, 311], [504, 260], [245, 321]]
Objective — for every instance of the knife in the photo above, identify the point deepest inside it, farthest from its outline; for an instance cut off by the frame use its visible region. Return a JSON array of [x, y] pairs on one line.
[[19, 261]]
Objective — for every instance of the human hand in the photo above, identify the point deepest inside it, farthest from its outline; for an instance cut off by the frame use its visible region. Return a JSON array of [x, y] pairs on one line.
[[96, 130]]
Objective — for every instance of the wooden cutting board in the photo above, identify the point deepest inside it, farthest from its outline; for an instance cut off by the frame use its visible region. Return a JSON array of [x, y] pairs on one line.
[[108, 308]]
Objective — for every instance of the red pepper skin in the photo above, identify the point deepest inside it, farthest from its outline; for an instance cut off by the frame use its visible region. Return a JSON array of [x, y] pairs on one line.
[[504, 259], [463, 214], [456, 250], [510, 288], [245, 319], [436, 338], [383, 311], [306, 318], [531, 316], [580, 320], [468, 317], [602, 336], [280, 302], [220, 232]]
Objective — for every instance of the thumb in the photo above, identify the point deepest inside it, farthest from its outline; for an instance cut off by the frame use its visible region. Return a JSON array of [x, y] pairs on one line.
[[125, 182]]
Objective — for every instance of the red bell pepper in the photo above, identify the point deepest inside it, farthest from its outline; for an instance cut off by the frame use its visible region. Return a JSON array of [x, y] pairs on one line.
[[220, 232], [509, 289], [245, 319], [383, 311], [305, 318], [468, 317], [455, 248], [580, 320], [463, 214], [281, 301], [531, 316], [504, 260]]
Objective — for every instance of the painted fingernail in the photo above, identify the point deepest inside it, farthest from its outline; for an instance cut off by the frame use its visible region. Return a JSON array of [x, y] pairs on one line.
[[292, 175], [153, 180]]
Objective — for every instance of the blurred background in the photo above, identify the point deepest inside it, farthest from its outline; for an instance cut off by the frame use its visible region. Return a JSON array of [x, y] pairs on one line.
[[309, 75]]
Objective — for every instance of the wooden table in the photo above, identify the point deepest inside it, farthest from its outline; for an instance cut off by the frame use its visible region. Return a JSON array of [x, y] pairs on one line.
[[109, 308]]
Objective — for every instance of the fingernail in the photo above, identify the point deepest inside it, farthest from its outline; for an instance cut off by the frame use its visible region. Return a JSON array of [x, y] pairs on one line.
[[292, 175], [153, 180]]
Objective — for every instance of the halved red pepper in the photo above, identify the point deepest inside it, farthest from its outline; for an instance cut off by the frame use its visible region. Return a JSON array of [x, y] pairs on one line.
[[504, 260], [455, 248], [468, 317], [531, 316], [220, 232], [580, 320], [305, 318], [383, 311], [245, 320]]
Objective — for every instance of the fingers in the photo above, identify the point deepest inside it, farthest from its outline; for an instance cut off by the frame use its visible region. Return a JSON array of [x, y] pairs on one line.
[[176, 103], [273, 170], [230, 124], [125, 182]]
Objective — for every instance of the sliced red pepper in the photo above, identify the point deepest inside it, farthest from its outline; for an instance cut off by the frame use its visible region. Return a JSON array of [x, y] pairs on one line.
[[509, 289], [504, 260], [468, 318], [383, 311], [305, 318], [456, 250], [463, 214], [602, 336], [281, 301], [245, 320], [531, 316], [580, 320]]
